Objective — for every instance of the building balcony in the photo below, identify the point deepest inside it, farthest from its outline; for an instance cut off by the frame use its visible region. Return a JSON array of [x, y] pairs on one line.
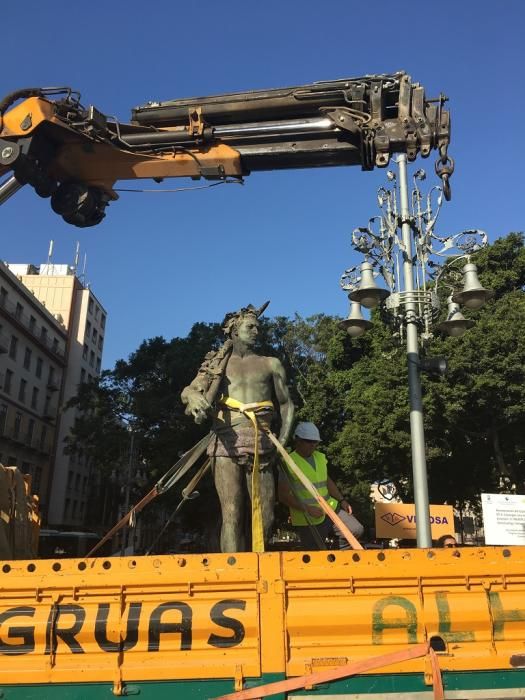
[[23, 320], [9, 433]]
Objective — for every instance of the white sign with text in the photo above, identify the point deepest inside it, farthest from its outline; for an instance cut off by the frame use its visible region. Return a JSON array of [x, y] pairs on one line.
[[503, 518]]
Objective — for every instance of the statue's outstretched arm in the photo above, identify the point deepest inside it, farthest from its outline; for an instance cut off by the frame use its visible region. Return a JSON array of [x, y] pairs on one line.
[[193, 397], [200, 394]]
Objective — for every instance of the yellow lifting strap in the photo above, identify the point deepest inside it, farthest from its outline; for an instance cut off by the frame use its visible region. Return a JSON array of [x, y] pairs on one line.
[[250, 410]]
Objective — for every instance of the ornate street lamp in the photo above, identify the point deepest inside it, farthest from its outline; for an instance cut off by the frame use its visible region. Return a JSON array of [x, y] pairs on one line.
[[402, 247]]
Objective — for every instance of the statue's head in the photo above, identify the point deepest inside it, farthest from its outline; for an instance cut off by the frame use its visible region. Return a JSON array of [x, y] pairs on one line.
[[233, 320]]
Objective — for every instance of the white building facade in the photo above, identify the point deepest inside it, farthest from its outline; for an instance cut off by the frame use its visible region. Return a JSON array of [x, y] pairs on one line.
[[63, 296], [33, 345]]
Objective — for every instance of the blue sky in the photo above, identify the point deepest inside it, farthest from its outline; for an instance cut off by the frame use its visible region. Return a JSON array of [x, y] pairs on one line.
[[160, 262]]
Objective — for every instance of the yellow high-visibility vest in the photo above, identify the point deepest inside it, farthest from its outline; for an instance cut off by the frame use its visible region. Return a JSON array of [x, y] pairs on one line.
[[318, 476]]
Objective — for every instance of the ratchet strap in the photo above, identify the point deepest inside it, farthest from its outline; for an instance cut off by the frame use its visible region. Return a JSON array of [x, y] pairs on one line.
[[174, 474], [250, 410], [320, 677]]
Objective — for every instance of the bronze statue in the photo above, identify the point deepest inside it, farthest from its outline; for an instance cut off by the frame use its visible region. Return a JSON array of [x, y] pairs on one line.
[[242, 391]]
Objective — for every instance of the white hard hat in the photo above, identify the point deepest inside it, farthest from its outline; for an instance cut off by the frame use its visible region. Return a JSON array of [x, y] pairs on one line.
[[307, 431]]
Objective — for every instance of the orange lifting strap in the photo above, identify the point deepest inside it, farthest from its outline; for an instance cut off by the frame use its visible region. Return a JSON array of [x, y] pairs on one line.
[[352, 669]]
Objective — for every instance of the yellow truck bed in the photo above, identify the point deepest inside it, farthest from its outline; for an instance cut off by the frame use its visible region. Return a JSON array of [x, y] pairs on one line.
[[204, 626]]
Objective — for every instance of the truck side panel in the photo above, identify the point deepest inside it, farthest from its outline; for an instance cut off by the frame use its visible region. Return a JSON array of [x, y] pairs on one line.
[[208, 625]]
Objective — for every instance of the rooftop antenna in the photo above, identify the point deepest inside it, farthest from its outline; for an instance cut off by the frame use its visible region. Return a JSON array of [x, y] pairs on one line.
[[50, 252], [84, 268], [77, 255]]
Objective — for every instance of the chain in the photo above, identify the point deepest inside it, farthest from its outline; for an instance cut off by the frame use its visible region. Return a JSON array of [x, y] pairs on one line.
[[444, 168]]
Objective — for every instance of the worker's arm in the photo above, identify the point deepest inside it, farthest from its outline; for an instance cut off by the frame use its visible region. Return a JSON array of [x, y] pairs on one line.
[[335, 492], [287, 497], [286, 407]]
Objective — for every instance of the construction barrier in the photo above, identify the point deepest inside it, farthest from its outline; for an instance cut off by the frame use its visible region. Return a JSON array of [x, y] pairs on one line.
[[19, 515]]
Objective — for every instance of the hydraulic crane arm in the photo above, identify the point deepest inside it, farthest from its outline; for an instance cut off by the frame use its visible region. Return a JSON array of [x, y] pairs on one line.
[[75, 155]]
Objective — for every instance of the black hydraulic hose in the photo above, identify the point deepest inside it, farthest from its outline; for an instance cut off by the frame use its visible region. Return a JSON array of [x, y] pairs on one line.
[[17, 95]]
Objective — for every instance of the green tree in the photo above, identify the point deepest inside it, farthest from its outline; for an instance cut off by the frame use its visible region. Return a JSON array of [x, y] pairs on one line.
[[475, 415]]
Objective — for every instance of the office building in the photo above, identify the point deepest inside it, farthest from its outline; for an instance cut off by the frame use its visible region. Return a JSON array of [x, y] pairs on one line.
[[64, 298], [33, 345]]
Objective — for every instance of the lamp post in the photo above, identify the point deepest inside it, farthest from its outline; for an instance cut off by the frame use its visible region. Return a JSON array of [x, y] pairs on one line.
[[401, 246]]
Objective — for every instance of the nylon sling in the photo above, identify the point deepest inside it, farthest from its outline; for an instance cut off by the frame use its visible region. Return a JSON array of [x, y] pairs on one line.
[[250, 410]]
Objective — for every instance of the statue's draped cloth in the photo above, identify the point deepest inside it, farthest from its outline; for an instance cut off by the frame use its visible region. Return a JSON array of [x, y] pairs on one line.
[[234, 436]]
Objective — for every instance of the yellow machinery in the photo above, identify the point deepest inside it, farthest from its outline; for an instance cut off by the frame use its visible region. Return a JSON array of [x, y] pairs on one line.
[[75, 154], [19, 515], [392, 624]]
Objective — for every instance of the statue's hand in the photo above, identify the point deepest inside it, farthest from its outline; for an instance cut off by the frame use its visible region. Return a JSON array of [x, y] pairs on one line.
[[198, 407]]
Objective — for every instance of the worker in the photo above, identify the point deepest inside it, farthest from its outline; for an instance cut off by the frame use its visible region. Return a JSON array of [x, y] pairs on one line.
[[447, 541], [308, 519]]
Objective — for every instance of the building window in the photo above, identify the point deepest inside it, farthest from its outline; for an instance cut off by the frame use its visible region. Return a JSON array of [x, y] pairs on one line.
[[27, 358], [3, 417], [77, 482], [34, 398], [37, 479], [17, 425], [30, 431], [22, 391], [3, 296], [100, 342], [74, 511], [99, 363], [51, 376], [97, 312], [32, 324], [55, 345], [82, 376], [84, 484], [88, 329], [19, 310], [85, 352], [70, 476], [92, 358], [43, 334], [103, 320], [43, 436], [39, 365], [13, 345], [90, 305], [95, 335], [8, 381], [46, 406]]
